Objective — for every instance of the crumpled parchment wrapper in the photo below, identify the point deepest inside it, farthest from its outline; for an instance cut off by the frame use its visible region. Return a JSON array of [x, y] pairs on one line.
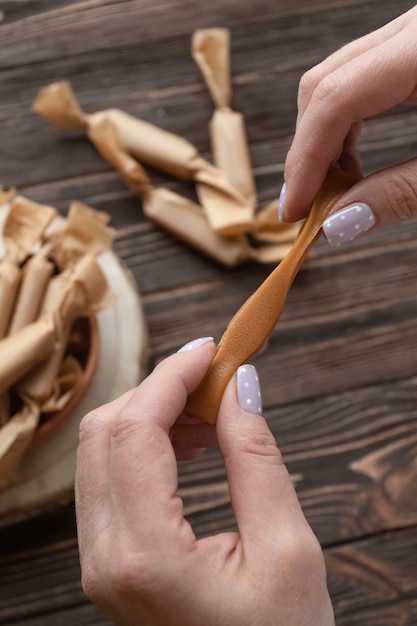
[[226, 210], [49, 277], [211, 51], [226, 214]]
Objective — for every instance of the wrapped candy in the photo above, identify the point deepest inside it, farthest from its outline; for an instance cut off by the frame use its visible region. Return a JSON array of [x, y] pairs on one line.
[[22, 229], [211, 52], [226, 223], [179, 215], [49, 278], [226, 209]]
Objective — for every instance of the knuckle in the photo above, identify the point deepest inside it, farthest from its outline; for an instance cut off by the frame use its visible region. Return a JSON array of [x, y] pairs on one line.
[[90, 424], [127, 578], [127, 575], [293, 162], [292, 552], [307, 85], [260, 444], [130, 433], [301, 552], [311, 552], [135, 577], [91, 585], [126, 426], [403, 196], [93, 572], [329, 91]]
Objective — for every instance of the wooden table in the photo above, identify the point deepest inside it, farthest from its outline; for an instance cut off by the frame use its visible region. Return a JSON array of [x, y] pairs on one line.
[[339, 375]]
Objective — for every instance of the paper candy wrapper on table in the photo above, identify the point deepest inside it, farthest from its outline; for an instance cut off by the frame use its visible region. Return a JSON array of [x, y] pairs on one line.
[[185, 218], [59, 280], [225, 225], [75, 292], [15, 437], [225, 208], [22, 229], [170, 210], [211, 51], [9, 283]]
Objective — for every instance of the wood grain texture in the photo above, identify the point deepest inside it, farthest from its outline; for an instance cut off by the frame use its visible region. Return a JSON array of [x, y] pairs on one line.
[[339, 375], [371, 581]]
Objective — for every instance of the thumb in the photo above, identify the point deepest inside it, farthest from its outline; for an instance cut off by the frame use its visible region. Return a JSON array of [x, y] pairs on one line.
[[385, 197], [262, 495]]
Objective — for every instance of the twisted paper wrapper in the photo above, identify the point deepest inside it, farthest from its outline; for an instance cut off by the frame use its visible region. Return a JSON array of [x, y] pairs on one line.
[[48, 279], [211, 51], [225, 225]]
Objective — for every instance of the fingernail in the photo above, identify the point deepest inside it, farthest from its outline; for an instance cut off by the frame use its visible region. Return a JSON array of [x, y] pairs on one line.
[[249, 389], [348, 223], [196, 343], [281, 202]]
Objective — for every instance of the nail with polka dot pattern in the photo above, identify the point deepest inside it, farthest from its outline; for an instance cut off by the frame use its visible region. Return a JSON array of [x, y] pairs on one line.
[[348, 223], [249, 389]]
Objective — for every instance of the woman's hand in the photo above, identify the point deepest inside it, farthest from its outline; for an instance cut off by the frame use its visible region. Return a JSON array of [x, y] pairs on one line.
[[141, 562], [362, 79]]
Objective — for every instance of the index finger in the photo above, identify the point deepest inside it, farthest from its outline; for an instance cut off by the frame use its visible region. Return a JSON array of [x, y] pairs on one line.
[[142, 463], [345, 54], [374, 82], [126, 466]]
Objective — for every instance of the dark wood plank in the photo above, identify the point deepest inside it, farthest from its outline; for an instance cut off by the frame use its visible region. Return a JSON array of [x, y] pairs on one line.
[[352, 457], [266, 81], [371, 582], [339, 374], [349, 319], [41, 582], [97, 24]]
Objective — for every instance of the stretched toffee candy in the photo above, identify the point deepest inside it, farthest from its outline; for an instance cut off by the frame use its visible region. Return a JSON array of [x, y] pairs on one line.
[[251, 326]]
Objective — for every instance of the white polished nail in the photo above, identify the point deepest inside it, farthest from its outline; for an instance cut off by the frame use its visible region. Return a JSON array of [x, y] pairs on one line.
[[348, 223]]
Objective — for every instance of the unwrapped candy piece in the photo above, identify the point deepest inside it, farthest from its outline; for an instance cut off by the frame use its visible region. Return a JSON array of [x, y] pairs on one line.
[[253, 323]]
